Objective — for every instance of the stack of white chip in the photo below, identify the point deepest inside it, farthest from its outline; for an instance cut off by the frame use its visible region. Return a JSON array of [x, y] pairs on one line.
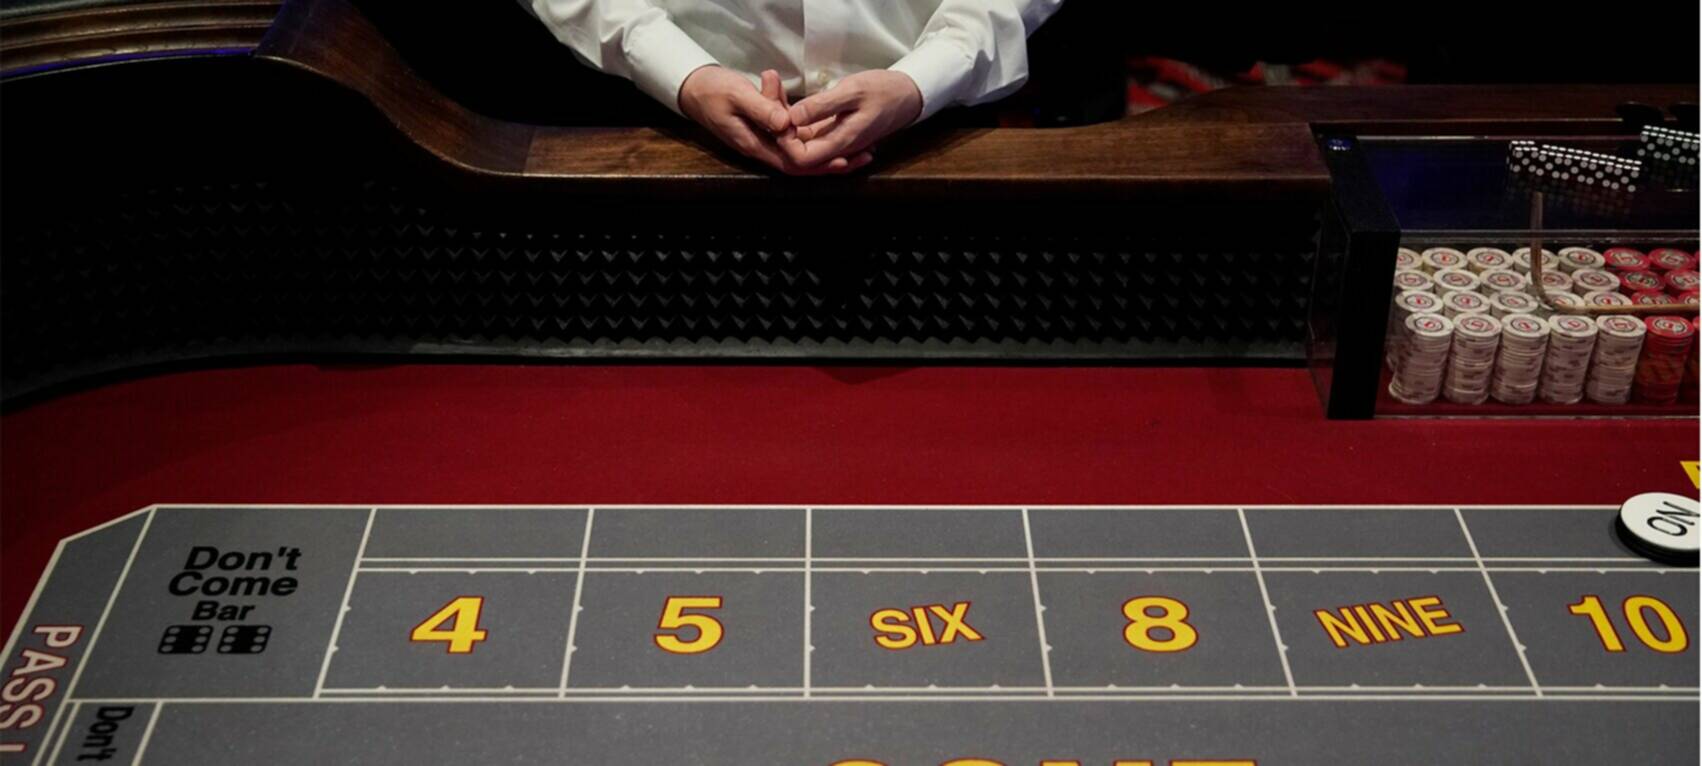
[[1613, 366], [1508, 303], [1424, 354], [1586, 281], [1524, 341], [1557, 280], [1438, 258], [1472, 362], [1522, 259], [1606, 298], [1558, 298], [1482, 259], [1575, 258], [1406, 305], [1455, 280], [1406, 258], [1571, 338], [1413, 279], [1460, 303], [1498, 280]]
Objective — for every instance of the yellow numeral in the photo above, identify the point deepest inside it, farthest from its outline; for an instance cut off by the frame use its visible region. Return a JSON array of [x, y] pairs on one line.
[[464, 611], [1635, 609], [709, 629], [1171, 615]]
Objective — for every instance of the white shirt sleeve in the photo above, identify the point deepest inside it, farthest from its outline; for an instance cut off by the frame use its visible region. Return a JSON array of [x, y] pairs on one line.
[[633, 39], [973, 51]]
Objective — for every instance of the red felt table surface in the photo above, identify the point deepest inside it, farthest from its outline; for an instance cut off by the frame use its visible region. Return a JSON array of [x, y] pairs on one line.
[[670, 434]]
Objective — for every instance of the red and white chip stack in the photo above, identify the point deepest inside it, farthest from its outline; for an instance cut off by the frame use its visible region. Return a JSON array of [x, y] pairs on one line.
[[1660, 372], [1524, 342], [1419, 368], [1472, 361], [1619, 339], [1571, 338]]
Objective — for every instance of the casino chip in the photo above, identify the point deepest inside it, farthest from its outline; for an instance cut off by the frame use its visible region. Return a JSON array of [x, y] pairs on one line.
[[1413, 279], [1626, 259], [1406, 305], [1506, 304], [1660, 371], [1632, 281], [1498, 280], [1482, 259], [1476, 338], [1619, 341], [1457, 304], [1606, 298], [1671, 259], [1522, 259], [1680, 281], [1419, 367], [1652, 298], [1571, 338], [1575, 258], [1438, 258], [1456, 280], [1524, 342], [1661, 526], [1406, 258], [1557, 280], [1591, 280]]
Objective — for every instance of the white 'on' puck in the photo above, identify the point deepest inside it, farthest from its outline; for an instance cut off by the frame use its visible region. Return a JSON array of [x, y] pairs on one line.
[[1662, 526]]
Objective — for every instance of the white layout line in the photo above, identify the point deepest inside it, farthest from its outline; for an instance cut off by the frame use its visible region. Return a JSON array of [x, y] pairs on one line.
[[29, 606], [94, 638], [147, 734], [1270, 609], [343, 608], [1500, 608], [1039, 608], [578, 591], [65, 733], [1523, 696], [1108, 689], [1006, 569], [517, 560], [809, 607], [1438, 506]]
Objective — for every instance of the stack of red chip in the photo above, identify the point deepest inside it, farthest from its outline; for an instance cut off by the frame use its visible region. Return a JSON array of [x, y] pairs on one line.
[[1651, 298], [1625, 259], [1680, 281], [1632, 281], [1660, 372], [1671, 259], [1687, 390]]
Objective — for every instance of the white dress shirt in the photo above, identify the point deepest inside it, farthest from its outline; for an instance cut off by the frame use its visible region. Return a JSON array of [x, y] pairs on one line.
[[957, 51]]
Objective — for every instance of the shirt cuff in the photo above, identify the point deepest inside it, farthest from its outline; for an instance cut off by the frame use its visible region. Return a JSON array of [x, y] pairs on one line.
[[941, 69], [661, 57]]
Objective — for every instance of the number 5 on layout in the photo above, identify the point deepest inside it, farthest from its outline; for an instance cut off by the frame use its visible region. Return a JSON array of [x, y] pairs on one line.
[[675, 618]]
